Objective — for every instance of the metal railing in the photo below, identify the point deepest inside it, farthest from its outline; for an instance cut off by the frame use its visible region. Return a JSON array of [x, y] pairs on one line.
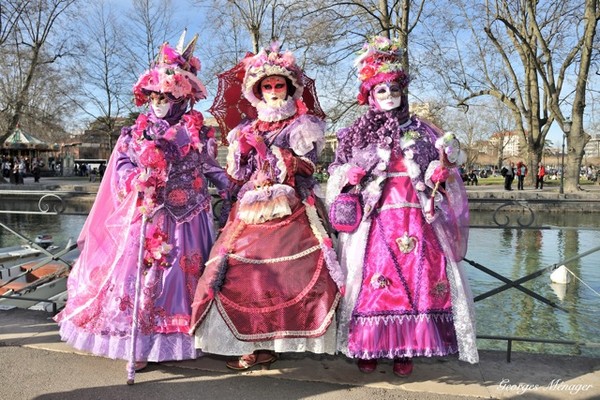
[[505, 212], [48, 204]]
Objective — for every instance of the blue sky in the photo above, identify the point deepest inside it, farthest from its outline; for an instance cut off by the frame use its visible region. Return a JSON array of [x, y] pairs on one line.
[[192, 17]]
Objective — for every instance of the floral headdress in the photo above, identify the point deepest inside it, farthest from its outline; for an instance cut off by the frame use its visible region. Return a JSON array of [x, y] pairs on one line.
[[173, 73], [268, 63], [378, 62]]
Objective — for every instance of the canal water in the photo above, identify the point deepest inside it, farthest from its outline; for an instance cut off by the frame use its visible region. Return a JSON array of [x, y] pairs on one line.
[[510, 252]]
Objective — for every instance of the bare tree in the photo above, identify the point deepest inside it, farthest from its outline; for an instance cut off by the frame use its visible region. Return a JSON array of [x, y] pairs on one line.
[[105, 89], [470, 127], [348, 24], [232, 38], [253, 13], [150, 25], [33, 50], [10, 14], [521, 53], [585, 52]]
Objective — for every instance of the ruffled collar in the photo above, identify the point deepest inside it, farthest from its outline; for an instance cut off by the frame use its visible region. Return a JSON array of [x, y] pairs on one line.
[[267, 113]]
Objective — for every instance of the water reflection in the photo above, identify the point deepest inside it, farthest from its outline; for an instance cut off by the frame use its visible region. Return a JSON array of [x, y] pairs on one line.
[[512, 253], [520, 252], [61, 227]]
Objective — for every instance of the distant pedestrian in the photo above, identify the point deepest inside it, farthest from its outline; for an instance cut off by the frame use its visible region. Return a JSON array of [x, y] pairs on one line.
[[521, 174], [19, 171], [35, 170], [508, 172], [539, 178], [6, 168], [472, 178], [590, 175]]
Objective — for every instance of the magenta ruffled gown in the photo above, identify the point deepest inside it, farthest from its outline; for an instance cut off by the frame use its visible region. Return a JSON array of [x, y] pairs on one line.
[[403, 306]]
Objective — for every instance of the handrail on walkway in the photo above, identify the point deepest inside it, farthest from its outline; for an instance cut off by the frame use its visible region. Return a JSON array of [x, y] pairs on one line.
[[511, 339], [36, 299]]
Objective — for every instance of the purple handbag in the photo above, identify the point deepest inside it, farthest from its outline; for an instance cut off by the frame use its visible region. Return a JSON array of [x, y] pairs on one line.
[[346, 212]]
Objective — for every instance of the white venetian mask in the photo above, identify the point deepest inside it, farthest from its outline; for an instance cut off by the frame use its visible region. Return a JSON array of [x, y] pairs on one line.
[[387, 95], [274, 90], [160, 104]]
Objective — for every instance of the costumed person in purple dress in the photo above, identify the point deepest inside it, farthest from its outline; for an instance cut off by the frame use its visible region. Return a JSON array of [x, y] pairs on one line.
[[159, 169], [406, 295], [272, 281]]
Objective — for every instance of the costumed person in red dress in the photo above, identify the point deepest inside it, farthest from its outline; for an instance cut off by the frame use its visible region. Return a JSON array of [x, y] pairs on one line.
[[272, 281], [406, 295], [159, 173]]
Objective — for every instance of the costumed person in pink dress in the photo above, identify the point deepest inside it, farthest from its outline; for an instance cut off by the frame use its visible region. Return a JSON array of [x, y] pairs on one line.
[[406, 295], [160, 169], [272, 281]]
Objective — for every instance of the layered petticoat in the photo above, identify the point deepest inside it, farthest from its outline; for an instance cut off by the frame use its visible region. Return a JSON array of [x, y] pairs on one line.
[[268, 286]]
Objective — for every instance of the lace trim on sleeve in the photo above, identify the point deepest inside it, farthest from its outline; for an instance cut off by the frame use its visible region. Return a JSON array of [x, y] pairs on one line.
[[280, 164], [336, 182], [306, 135]]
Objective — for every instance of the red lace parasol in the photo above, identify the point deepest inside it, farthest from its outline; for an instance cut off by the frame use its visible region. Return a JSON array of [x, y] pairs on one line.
[[230, 107]]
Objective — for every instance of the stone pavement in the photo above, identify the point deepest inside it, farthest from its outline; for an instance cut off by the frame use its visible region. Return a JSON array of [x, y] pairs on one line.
[[36, 364]]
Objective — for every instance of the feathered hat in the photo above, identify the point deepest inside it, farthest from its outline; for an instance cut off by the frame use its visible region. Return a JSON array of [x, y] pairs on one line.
[[173, 73], [269, 62], [379, 61]]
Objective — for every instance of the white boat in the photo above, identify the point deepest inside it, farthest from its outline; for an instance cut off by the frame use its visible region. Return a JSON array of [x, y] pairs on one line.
[[14, 255], [17, 255], [36, 296], [44, 241], [40, 283]]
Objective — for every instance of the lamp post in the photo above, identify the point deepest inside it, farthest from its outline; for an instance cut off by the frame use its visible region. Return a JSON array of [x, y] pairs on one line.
[[566, 129]]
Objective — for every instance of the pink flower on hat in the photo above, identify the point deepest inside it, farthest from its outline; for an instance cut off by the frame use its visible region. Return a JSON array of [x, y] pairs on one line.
[[361, 98], [173, 73], [367, 72], [288, 59], [167, 83], [181, 86], [379, 61], [381, 41]]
